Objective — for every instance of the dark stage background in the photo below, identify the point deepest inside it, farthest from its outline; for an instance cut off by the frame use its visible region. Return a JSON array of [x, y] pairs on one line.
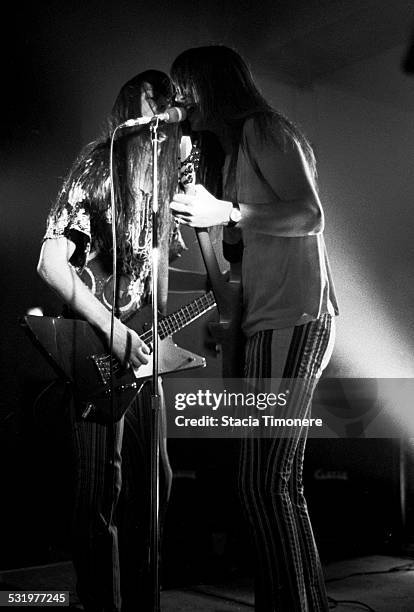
[[335, 68]]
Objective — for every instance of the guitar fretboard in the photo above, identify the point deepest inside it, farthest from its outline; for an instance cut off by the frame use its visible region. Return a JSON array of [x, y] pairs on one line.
[[176, 321]]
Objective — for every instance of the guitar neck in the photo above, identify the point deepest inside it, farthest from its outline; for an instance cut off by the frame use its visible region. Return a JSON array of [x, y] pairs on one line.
[[179, 319]]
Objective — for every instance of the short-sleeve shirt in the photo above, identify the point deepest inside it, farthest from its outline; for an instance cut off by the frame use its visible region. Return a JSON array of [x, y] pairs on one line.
[[75, 221], [286, 280]]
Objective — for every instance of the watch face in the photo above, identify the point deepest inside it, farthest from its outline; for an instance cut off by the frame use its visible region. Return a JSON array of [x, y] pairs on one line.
[[235, 215]]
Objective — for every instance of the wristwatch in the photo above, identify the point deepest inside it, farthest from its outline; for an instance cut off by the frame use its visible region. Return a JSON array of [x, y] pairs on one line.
[[235, 215]]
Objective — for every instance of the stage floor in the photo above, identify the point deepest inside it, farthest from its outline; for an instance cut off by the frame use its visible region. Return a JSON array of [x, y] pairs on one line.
[[382, 583]]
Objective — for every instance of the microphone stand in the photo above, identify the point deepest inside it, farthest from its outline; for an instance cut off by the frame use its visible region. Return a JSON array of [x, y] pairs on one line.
[[154, 547]]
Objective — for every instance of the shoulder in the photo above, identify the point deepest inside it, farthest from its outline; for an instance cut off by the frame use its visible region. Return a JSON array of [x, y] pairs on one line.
[[88, 179], [272, 135], [268, 132]]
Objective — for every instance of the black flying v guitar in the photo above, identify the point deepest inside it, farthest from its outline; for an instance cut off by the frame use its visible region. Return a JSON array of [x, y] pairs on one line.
[[79, 353]]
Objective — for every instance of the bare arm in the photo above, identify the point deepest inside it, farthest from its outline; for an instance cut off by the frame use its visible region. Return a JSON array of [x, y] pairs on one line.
[[301, 217], [295, 209], [55, 269]]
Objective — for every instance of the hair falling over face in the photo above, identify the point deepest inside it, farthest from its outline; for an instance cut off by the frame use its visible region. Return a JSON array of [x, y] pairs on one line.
[[132, 170], [218, 82]]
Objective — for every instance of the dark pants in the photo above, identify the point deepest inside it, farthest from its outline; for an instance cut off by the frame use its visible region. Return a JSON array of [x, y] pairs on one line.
[[111, 520]]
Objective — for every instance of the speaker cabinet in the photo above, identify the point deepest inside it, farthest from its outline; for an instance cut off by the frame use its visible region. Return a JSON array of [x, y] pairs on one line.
[[353, 490]]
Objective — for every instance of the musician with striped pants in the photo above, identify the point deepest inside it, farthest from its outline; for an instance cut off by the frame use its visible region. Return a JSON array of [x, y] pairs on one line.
[[111, 462], [273, 219]]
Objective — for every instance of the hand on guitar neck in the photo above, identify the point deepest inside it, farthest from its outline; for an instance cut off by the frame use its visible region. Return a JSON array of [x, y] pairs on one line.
[[196, 207], [199, 209]]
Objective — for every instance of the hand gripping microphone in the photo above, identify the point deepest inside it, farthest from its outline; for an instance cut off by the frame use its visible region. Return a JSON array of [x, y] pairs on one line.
[[175, 114]]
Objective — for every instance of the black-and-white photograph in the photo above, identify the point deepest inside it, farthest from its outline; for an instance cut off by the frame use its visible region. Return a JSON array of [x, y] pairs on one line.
[[207, 355]]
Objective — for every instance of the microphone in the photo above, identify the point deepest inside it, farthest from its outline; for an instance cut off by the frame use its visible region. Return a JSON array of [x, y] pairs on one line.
[[175, 114]]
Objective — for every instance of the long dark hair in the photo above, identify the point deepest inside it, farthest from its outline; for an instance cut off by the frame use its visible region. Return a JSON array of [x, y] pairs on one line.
[[132, 169], [128, 102], [221, 84]]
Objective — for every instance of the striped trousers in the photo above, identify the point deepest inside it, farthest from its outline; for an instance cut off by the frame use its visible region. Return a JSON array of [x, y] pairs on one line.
[[111, 520], [288, 570]]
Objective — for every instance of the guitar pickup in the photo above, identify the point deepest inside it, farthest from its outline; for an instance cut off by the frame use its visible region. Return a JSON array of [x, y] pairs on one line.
[[103, 365]]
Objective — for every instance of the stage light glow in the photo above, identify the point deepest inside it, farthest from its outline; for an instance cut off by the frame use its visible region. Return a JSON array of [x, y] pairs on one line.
[[371, 343]]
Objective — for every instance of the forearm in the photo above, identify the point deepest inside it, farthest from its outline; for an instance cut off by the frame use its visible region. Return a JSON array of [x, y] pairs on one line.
[[283, 218], [286, 218]]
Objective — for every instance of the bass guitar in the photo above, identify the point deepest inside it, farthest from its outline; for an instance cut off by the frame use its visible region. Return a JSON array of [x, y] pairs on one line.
[[227, 290], [79, 354]]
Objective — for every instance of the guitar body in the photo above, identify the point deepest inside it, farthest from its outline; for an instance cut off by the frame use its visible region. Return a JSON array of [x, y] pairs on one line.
[[79, 354]]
